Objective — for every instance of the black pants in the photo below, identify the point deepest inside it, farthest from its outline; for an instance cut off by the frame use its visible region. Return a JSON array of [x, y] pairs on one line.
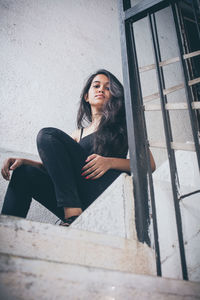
[[59, 184]]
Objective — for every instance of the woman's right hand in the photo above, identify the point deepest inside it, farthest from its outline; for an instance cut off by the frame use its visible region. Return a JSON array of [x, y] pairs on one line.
[[10, 164]]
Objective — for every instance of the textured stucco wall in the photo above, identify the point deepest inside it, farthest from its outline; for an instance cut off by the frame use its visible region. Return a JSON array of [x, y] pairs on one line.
[[48, 49]]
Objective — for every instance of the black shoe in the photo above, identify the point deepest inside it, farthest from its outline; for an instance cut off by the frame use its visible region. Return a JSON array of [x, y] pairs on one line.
[[67, 222]]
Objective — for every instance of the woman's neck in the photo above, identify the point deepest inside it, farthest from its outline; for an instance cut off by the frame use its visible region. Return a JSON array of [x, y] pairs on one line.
[[96, 117], [94, 125]]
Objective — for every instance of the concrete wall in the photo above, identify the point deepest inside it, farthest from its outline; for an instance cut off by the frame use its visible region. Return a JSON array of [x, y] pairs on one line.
[[48, 49]]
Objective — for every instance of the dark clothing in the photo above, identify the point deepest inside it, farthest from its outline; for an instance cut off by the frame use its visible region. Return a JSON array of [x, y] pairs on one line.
[[59, 183]]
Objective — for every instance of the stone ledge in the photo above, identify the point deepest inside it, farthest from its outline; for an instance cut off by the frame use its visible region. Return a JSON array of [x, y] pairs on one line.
[[22, 278], [34, 240], [112, 212], [37, 212]]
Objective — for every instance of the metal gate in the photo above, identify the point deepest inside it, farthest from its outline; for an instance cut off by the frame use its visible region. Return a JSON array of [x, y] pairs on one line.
[[136, 105]]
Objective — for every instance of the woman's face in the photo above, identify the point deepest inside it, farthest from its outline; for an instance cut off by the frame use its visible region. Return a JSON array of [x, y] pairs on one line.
[[99, 91]]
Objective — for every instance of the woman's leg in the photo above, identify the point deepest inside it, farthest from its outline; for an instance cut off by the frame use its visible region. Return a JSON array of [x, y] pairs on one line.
[[29, 182], [63, 159], [61, 184]]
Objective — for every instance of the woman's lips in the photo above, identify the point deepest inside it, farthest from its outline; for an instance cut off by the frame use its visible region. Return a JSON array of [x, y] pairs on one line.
[[99, 96]]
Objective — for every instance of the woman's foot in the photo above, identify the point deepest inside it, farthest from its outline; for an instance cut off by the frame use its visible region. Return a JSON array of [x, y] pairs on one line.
[[67, 222]]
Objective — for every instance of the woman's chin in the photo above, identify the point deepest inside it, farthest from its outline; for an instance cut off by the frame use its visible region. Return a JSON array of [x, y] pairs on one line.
[[98, 104]]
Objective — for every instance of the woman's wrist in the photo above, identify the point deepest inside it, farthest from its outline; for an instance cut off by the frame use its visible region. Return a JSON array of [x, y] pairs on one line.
[[31, 162], [24, 161], [122, 164], [110, 162]]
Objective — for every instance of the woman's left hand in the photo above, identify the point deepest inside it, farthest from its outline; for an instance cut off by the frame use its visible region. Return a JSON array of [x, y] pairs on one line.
[[96, 166]]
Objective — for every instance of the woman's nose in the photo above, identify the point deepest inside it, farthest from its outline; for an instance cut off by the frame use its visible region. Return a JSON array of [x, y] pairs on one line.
[[101, 90]]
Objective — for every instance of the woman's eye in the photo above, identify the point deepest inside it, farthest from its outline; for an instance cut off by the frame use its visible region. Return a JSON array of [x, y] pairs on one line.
[[97, 86]]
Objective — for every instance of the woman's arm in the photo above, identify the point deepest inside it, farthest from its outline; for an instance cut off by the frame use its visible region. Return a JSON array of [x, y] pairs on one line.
[[12, 163], [34, 163], [124, 164], [97, 165]]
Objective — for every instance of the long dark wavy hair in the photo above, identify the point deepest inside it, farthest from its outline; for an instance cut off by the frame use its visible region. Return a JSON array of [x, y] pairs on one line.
[[110, 139]]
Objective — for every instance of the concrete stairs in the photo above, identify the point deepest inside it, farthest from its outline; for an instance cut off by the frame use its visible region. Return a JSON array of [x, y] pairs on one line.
[[43, 261], [112, 212], [98, 257]]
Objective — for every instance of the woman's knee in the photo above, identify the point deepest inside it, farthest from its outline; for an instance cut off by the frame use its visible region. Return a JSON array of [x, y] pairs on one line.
[[45, 134], [48, 134], [22, 173]]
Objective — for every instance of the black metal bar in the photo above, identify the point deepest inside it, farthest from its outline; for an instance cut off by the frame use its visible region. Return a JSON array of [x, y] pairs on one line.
[[138, 153], [189, 194], [198, 4], [150, 179], [126, 4], [172, 162], [141, 9], [138, 146], [167, 118], [168, 124], [141, 120], [135, 130], [192, 116], [196, 18], [154, 215]]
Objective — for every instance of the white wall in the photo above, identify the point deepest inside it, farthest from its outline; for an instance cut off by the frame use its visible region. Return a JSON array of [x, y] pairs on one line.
[[48, 49]]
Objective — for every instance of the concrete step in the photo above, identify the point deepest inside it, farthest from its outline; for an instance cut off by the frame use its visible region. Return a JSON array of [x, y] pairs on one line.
[[34, 240], [112, 212], [40, 261], [37, 212]]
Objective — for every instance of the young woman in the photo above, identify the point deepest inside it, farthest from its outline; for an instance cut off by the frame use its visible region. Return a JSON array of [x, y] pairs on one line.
[[75, 169]]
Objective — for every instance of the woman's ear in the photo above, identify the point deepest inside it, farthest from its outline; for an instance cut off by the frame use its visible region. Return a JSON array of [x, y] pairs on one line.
[[86, 97]]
